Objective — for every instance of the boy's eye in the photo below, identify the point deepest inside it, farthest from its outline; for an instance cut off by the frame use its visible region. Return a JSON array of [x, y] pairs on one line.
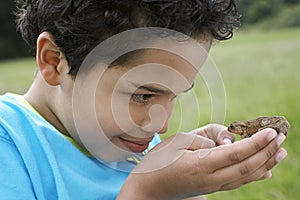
[[142, 98]]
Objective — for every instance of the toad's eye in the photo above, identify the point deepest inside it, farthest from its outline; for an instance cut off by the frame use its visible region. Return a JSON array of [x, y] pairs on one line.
[[142, 98], [231, 126]]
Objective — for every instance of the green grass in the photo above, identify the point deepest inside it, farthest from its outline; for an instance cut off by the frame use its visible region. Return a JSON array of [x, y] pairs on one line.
[[260, 72], [16, 75]]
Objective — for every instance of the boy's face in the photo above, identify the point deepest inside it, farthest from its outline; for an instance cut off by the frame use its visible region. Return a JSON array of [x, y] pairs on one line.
[[131, 103]]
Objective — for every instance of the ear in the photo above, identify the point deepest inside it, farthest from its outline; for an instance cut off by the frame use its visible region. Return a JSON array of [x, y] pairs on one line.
[[48, 58]]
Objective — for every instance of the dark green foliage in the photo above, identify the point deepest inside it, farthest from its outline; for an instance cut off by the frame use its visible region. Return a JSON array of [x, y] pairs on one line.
[[291, 1], [288, 17], [255, 11], [11, 43]]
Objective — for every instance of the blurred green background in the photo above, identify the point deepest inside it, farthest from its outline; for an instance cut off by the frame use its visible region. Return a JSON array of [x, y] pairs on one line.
[[260, 71]]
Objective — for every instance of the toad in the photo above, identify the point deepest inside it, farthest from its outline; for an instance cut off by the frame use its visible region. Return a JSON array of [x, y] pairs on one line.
[[248, 128]]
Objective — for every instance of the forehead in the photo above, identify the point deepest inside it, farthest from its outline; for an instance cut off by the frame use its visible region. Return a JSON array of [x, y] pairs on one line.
[[165, 62], [183, 58], [164, 59], [177, 54], [160, 67]]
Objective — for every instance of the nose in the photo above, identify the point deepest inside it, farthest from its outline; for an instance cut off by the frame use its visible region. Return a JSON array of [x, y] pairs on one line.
[[165, 127], [157, 120], [158, 126]]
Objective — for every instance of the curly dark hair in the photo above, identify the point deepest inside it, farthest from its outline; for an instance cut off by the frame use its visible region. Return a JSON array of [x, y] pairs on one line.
[[79, 25]]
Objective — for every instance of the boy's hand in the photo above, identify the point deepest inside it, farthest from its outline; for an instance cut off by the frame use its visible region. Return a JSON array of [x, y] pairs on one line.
[[174, 170], [216, 132]]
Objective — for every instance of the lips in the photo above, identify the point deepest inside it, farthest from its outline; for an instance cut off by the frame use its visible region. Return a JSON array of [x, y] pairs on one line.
[[136, 146]]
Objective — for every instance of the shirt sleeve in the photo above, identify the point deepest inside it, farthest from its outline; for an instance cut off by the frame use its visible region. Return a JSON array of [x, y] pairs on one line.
[[15, 182]]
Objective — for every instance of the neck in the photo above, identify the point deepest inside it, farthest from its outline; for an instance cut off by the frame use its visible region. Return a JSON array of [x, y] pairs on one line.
[[41, 96]]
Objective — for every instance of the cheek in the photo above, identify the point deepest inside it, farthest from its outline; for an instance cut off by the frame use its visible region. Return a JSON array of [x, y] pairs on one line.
[[119, 115], [138, 113], [107, 118], [107, 123], [141, 114]]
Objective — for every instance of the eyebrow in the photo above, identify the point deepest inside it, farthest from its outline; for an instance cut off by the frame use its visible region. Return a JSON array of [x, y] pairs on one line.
[[158, 90]]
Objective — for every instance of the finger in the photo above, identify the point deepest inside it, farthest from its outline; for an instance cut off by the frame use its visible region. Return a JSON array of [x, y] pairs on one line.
[[261, 174], [216, 132], [265, 171], [255, 166], [202, 131], [197, 198], [225, 137], [240, 183], [210, 130], [227, 155], [266, 175], [201, 142]]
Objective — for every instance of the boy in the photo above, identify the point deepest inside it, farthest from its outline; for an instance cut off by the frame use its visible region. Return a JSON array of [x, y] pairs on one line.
[[83, 127]]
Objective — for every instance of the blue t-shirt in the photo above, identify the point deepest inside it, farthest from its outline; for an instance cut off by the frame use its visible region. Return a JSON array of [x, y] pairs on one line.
[[38, 162]]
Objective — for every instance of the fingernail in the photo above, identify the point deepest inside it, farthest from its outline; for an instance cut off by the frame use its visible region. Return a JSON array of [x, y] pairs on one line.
[[227, 141], [268, 175], [281, 155], [272, 135], [280, 139]]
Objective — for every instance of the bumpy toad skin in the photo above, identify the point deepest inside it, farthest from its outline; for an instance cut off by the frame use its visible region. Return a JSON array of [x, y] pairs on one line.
[[248, 128]]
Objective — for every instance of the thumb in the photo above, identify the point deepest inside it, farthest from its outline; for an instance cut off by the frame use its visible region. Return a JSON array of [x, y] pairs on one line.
[[200, 142]]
